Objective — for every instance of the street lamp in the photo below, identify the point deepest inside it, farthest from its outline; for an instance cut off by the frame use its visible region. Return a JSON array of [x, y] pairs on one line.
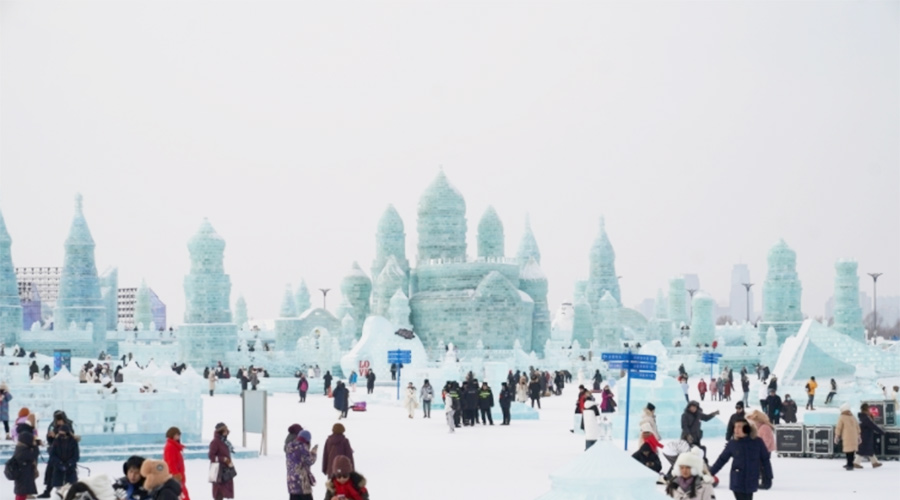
[[874, 303], [324, 295], [747, 286]]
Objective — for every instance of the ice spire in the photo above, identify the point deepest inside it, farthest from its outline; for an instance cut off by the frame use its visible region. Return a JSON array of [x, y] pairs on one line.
[[207, 288], [602, 276], [240, 311], [390, 240], [441, 221], [10, 306], [356, 288], [490, 235], [288, 306], [528, 247], [302, 298], [387, 283]]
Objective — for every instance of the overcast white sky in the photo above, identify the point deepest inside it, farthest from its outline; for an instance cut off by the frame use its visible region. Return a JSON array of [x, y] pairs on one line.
[[703, 131]]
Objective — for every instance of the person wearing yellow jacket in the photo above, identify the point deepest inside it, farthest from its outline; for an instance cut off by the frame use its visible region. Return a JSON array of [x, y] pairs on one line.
[[811, 392]]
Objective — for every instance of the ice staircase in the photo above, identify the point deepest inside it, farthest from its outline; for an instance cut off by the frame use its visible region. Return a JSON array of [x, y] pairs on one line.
[[89, 453]]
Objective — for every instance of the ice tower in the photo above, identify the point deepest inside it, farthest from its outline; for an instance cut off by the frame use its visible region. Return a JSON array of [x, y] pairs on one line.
[[847, 313], [143, 309], [399, 310], [490, 235], [442, 222], [288, 324], [390, 240], [79, 300], [602, 276], [208, 331], [678, 312], [109, 291], [356, 287], [608, 328], [240, 312], [10, 307], [302, 299], [582, 322], [660, 328], [391, 279], [528, 247], [703, 321], [781, 293], [533, 281]]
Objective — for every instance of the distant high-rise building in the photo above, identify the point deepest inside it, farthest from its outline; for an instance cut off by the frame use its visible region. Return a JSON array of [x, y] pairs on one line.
[[45, 280], [738, 299], [127, 301]]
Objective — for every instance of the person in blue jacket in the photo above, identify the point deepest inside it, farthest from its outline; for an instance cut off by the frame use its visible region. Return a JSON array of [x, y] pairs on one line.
[[749, 458]]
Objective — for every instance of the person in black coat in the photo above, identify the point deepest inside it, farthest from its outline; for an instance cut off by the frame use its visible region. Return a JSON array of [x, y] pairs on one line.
[[341, 399], [62, 465], [773, 406], [370, 382], [131, 485], [534, 392], [506, 398], [485, 403], [749, 458], [738, 415], [868, 428], [26, 454], [690, 424], [789, 410], [470, 403], [327, 380], [646, 456]]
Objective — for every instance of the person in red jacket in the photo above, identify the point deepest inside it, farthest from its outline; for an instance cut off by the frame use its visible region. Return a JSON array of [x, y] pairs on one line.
[[702, 388], [345, 483], [173, 455]]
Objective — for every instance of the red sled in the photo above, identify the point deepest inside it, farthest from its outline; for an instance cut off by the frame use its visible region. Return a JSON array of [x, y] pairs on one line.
[[360, 406]]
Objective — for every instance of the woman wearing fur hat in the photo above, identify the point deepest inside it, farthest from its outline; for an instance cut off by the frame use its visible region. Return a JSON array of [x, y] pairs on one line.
[[173, 455], [847, 432], [345, 483], [691, 482], [220, 452], [411, 402], [158, 481], [131, 486], [299, 459], [749, 462], [336, 444], [763, 428], [26, 454], [62, 466]]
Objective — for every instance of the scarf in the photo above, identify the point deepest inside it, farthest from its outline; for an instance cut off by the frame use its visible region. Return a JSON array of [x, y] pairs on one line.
[[347, 489], [684, 484], [227, 443]]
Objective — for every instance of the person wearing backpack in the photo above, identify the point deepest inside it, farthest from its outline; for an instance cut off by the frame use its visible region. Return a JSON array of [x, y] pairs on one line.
[[23, 465]]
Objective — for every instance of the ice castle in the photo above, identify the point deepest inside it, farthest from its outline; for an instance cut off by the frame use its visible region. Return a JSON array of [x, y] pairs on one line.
[[453, 298], [781, 293]]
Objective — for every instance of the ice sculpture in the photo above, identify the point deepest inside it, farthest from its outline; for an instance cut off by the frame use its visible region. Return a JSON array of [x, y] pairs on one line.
[[441, 222], [608, 329], [820, 351], [561, 329], [781, 292], [143, 313], [399, 310], [379, 337], [678, 312], [533, 281], [390, 241], [582, 323], [528, 247], [356, 287], [348, 330], [603, 472], [703, 321], [109, 291], [302, 299], [240, 312], [389, 281], [79, 297], [847, 313], [207, 333], [11, 317], [660, 327], [288, 324], [602, 276], [490, 235]]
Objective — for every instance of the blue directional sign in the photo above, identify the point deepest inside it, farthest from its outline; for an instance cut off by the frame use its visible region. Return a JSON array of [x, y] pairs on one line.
[[400, 356], [614, 356], [643, 358], [642, 375], [632, 365], [639, 366]]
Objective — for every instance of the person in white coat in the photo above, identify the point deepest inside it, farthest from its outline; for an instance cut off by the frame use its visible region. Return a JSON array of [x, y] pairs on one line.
[[649, 418], [591, 416], [412, 399]]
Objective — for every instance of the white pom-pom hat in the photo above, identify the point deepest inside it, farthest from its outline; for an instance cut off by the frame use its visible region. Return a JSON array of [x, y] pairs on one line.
[[692, 459]]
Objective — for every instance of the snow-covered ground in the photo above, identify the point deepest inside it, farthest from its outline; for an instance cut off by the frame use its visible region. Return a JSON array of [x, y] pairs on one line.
[[419, 458]]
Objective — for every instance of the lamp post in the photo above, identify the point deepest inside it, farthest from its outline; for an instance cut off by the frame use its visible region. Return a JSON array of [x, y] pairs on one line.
[[324, 296], [691, 292], [747, 286], [874, 303]]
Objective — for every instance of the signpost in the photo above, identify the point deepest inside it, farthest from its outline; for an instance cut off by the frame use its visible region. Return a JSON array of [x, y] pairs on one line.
[[253, 404], [62, 358], [711, 358], [399, 357], [639, 366]]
